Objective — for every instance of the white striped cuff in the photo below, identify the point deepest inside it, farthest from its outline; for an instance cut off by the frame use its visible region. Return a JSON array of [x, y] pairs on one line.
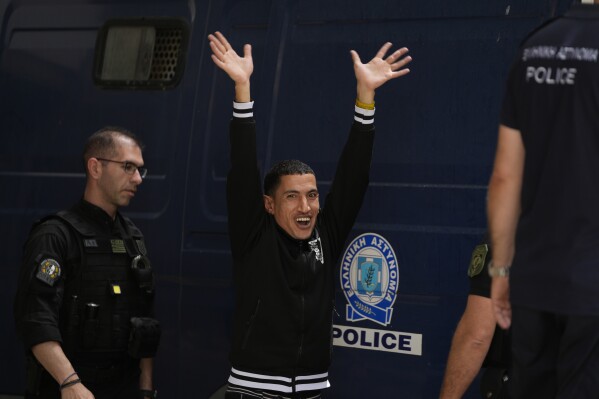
[[243, 110], [279, 383], [364, 116]]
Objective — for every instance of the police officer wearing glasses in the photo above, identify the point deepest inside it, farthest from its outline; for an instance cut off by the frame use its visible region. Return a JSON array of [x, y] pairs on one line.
[[85, 295]]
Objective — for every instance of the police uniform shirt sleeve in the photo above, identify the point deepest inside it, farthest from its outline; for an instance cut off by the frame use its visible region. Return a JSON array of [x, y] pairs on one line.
[[40, 286], [480, 282], [510, 107]]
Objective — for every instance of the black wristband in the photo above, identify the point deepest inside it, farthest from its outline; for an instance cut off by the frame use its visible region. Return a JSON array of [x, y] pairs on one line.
[[147, 393], [68, 384], [69, 376]]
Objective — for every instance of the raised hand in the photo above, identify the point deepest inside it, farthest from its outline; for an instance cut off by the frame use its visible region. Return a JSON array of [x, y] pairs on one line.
[[238, 68], [379, 70]]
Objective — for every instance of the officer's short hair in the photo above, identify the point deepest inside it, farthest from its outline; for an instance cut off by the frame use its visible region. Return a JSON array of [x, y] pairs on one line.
[[284, 168], [101, 144]]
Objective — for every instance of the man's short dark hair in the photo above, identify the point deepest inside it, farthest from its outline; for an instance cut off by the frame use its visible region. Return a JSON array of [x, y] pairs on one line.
[[101, 144], [284, 168]]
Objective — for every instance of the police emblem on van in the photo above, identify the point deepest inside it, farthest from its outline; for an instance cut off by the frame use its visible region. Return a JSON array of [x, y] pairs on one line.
[[369, 279]]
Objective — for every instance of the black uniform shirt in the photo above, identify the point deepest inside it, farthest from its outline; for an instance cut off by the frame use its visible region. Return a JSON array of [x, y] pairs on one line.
[[50, 254], [552, 98]]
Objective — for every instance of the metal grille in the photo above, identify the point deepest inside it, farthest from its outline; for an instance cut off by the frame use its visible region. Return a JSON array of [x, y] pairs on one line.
[[166, 54]]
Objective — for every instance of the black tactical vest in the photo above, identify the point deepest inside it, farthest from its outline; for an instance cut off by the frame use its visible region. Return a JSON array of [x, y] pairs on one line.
[[113, 283]]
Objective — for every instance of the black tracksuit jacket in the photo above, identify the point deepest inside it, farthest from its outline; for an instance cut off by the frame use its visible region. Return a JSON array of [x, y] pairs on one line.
[[284, 294]]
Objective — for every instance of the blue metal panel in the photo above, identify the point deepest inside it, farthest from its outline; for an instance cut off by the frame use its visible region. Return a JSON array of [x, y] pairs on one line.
[[435, 141]]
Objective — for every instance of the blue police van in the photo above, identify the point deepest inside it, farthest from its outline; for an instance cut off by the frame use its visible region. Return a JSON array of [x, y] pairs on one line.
[[68, 68]]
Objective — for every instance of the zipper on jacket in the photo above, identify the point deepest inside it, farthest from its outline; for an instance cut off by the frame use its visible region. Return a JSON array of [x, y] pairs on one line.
[[303, 309], [333, 313], [249, 324]]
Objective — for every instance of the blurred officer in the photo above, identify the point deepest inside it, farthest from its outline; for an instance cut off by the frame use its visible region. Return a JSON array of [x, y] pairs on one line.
[[543, 213], [478, 341]]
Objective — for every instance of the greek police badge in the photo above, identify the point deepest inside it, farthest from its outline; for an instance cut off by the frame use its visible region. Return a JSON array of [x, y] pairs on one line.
[[477, 261], [369, 279], [48, 271]]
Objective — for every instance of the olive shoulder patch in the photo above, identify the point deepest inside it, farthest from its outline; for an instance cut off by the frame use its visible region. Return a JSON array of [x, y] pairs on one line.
[[477, 261]]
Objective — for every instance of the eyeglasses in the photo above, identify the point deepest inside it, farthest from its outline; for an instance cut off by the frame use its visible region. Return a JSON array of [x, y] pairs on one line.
[[128, 167]]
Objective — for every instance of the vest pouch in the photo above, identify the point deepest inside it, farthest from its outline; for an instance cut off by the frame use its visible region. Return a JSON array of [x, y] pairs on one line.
[[118, 340], [144, 337], [72, 334], [90, 325]]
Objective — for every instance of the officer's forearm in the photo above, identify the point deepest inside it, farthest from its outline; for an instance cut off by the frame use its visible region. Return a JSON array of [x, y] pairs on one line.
[[469, 347], [52, 358], [503, 195], [145, 378], [463, 365]]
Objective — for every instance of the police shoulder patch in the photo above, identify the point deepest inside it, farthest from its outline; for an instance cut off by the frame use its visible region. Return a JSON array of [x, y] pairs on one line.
[[48, 271], [477, 261]]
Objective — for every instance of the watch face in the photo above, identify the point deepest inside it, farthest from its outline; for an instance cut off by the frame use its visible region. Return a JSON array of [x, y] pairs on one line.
[[499, 271]]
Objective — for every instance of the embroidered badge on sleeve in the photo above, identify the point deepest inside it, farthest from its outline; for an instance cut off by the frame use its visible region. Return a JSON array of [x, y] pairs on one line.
[[477, 261], [48, 271]]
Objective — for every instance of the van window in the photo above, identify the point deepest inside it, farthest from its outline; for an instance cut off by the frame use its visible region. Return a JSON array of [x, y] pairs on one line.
[[141, 54]]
